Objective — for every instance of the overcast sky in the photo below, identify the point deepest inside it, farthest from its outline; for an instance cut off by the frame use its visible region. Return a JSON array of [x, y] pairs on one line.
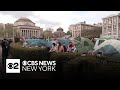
[[54, 19]]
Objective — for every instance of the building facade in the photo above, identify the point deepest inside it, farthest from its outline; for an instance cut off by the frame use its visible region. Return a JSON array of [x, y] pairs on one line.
[[111, 26], [25, 27], [2, 26], [9, 26], [85, 30]]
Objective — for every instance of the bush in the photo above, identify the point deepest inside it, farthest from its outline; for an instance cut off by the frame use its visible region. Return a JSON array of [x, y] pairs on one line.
[[17, 40], [69, 65], [24, 53]]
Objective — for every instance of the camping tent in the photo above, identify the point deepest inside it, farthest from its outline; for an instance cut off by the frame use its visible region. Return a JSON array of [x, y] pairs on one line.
[[107, 37], [109, 48], [82, 45], [39, 43]]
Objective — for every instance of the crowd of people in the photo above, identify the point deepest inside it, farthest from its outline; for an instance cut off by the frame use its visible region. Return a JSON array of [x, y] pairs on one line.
[[58, 47]]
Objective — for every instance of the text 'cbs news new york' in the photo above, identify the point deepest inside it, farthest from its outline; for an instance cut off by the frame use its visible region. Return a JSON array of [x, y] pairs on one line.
[[14, 66]]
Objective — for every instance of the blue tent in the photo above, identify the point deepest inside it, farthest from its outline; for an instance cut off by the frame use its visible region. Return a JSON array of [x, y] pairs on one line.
[[39, 43]]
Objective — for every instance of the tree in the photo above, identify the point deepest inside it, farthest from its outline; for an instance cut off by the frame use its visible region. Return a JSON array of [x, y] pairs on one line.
[[68, 33], [2, 33], [47, 34]]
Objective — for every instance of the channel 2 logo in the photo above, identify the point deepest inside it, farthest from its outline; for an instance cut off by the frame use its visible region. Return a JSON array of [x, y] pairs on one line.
[[12, 65]]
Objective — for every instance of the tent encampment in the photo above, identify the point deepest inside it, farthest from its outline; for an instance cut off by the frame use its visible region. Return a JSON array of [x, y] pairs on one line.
[[109, 48], [82, 44]]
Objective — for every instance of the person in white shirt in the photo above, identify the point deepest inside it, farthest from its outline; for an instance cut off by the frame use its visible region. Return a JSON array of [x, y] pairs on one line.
[[54, 48]]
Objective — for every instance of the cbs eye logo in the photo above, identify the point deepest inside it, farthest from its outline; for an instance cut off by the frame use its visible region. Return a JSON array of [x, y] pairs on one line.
[[12, 65]]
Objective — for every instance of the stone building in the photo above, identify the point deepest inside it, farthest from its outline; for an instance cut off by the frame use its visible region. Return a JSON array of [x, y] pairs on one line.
[[111, 26], [59, 33], [25, 27], [85, 30], [9, 26]]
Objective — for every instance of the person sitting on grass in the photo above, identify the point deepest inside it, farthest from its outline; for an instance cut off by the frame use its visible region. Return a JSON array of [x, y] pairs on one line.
[[54, 48], [60, 47], [71, 47], [25, 44]]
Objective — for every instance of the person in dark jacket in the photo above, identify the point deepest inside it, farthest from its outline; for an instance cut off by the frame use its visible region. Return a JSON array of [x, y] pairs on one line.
[[5, 49]]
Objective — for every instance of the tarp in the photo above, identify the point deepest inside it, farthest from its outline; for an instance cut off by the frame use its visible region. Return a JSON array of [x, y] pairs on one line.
[[109, 47], [39, 43]]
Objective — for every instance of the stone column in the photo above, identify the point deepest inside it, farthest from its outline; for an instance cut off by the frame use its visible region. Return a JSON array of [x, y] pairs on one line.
[[39, 33], [112, 26], [36, 33], [117, 26], [28, 32], [32, 33], [20, 32], [24, 32]]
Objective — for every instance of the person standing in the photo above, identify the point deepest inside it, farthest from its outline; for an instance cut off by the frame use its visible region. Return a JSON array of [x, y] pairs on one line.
[[5, 49]]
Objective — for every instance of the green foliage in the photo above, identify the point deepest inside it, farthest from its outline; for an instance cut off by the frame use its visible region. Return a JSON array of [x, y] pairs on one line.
[[17, 40], [69, 65], [47, 34], [68, 33], [2, 33], [24, 53]]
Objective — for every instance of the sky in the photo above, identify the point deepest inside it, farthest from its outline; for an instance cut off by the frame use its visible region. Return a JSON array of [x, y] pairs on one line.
[[56, 19]]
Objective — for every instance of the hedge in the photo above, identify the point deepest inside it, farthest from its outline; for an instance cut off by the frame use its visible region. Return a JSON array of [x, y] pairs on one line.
[[70, 65], [23, 53]]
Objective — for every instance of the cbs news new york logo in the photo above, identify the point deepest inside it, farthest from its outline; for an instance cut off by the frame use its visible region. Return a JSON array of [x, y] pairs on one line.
[[12, 65]]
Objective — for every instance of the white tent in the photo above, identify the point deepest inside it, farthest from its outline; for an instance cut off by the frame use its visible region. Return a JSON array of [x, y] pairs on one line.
[[109, 47]]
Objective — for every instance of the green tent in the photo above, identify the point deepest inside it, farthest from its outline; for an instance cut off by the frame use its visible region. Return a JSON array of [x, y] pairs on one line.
[[82, 44]]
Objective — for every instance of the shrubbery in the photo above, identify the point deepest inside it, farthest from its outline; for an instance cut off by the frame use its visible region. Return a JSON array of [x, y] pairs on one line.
[[69, 65], [23, 53]]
